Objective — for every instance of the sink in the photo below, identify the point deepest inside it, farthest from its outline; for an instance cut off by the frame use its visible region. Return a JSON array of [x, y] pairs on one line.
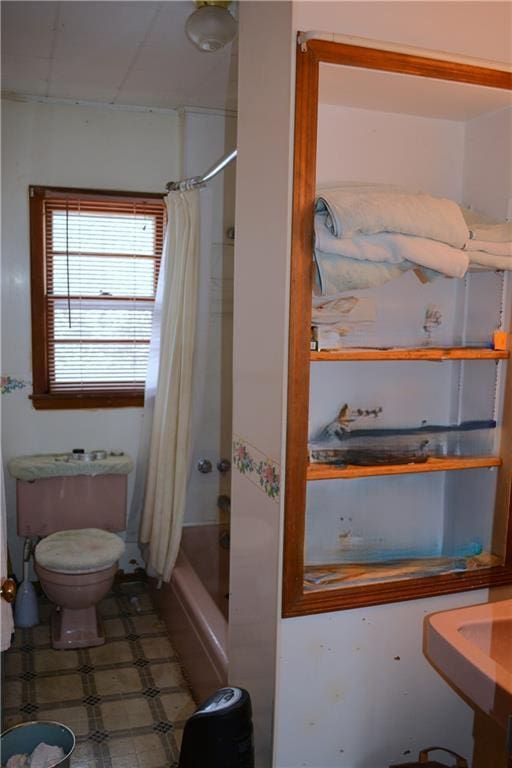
[[472, 649]]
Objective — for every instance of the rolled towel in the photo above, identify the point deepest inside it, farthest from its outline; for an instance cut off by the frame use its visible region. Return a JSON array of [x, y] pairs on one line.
[[355, 211]]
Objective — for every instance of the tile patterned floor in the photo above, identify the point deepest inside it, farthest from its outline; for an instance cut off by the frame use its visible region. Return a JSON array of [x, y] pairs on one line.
[[126, 701]]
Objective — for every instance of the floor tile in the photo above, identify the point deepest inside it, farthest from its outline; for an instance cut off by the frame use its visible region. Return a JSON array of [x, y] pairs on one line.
[[41, 635], [13, 661], [108, 607], [118, 681], [82, 757], [146, 742], [51, 660], [156, 648], [126, 761], [177, 706], [114, 628], [139, 712], [111, 653], [11, 720], [148, 624], [120, 711], [167, 675], [74, 717], [154, 758], [114, 716], [50, 690], [13, 693], [121, 747]]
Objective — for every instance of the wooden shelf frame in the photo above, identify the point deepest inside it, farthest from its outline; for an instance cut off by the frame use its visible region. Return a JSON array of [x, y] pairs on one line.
[[295, 601], [435, 354], [434, 464]]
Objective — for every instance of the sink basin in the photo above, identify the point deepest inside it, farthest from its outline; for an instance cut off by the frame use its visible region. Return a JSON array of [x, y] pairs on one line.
[[472, 649]]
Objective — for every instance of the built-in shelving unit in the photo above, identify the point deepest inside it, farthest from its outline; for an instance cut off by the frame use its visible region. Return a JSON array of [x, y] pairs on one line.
[[368, 541], [422, 353], [432, 464]]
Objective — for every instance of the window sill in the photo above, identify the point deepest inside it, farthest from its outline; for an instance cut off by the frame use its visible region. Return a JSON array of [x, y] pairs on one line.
[[45, 402]]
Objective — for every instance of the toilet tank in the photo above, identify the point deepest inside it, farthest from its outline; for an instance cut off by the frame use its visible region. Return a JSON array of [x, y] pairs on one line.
[[53, 504]]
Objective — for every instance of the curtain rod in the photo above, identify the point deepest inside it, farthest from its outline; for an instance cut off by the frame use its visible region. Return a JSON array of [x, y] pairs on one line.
[[198, 181]]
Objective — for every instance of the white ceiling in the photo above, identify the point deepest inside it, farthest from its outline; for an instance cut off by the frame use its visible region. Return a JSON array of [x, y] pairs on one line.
[[124, 53]]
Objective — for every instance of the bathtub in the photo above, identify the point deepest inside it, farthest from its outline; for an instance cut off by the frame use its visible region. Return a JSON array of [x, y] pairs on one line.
[[194, 607]]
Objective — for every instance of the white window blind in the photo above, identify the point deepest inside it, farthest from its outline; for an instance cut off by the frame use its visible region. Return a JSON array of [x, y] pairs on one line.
[[101, 262]]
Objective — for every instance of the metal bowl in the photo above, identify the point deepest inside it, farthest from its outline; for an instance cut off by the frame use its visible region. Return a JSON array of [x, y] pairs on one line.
[[22, 739]]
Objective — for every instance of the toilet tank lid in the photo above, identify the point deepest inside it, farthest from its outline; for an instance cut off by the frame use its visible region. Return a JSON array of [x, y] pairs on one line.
[[46, 465]]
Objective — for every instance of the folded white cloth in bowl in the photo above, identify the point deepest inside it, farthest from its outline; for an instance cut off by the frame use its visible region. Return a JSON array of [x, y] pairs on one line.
[[43, 756]]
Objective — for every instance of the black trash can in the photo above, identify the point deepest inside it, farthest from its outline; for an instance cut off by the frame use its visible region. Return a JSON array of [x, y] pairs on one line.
[[425, 762], [219, 734]]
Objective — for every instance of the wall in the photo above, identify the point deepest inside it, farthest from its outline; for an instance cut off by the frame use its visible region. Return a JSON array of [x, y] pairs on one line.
[[417, 152], [363, 673], [73, 146], [487, 176], [353, 688], [207, 138], [260, 339]]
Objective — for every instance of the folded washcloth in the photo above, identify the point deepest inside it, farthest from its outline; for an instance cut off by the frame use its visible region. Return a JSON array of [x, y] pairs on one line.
[[349, 309], [393, 249], [356, 211], [490, 246]]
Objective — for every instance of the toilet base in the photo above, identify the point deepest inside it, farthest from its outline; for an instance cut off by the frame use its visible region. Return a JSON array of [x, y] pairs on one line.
[[76, 628]]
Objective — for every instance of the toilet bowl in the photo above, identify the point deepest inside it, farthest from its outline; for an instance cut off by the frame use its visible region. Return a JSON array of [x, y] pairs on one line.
[[76, 570], [75, 565]]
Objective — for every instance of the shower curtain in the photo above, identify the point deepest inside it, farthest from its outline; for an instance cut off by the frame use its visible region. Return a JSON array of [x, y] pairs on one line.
[[175, 380]]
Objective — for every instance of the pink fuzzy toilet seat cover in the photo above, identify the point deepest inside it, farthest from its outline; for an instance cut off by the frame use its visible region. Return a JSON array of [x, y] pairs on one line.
[[81, 551]]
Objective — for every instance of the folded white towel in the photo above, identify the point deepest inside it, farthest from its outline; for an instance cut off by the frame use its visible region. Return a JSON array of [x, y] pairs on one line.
[[337, 274], [490, 246], [490, 260], [393, 249], [494, 233], [354, 211]]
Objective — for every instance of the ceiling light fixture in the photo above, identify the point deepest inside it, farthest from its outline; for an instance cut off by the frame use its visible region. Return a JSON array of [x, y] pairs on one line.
[[211, 26]]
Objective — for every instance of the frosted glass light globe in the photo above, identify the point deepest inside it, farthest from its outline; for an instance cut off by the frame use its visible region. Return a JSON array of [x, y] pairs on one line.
[[210, 28]]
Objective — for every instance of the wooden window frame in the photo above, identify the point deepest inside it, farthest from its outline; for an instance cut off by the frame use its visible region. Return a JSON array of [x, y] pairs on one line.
[[42, 398], [295, 601]]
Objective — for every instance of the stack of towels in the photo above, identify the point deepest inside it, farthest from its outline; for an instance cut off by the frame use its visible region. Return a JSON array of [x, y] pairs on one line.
[[366, 234]]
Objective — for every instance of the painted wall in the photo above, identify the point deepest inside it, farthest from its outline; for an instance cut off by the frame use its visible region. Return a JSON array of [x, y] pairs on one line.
[[70, 146], [110, 149], [488, 176], [386, 147], [260, 339], [353, 688]]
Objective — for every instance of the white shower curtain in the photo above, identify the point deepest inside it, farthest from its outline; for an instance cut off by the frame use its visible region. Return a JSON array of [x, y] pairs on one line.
[[175, 380]]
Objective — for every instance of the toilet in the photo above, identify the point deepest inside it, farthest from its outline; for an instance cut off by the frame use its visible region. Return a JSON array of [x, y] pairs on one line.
[[78, 516]]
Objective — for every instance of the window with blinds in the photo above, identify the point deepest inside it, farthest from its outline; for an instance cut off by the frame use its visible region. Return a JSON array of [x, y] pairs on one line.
[[95, 264]]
